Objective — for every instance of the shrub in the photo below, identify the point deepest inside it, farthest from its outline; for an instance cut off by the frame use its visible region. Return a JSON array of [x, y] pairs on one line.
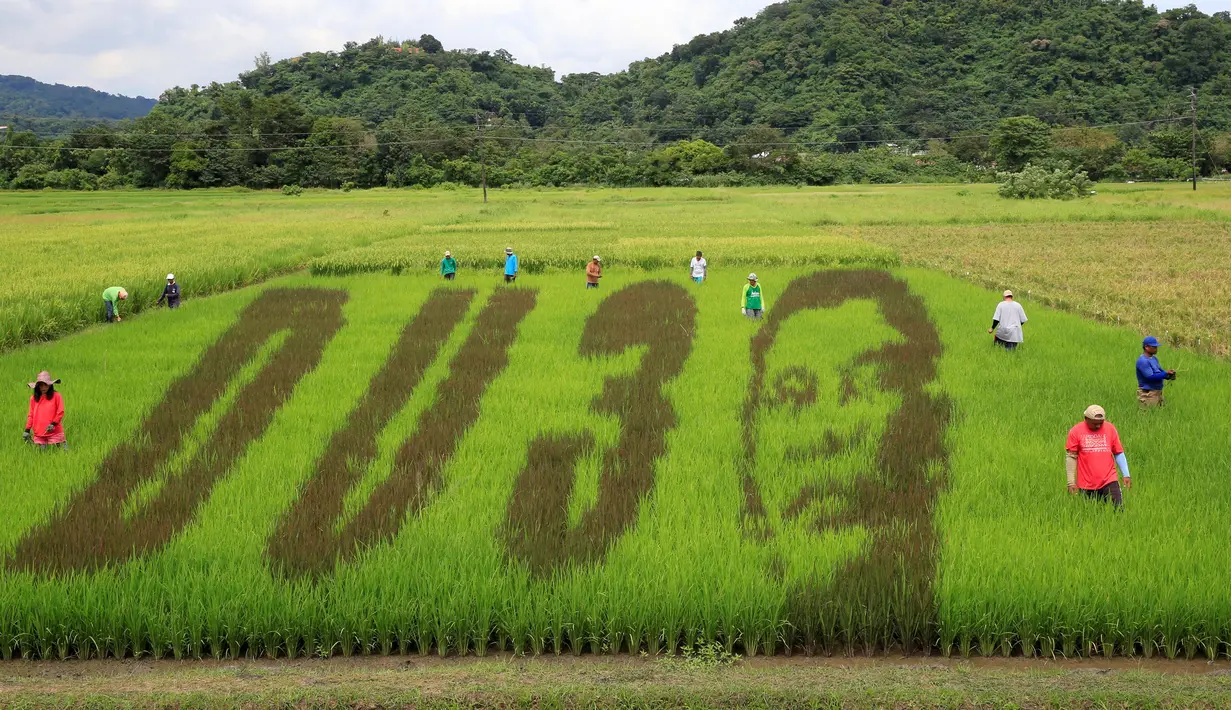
[[1036, 182], [292, 190]]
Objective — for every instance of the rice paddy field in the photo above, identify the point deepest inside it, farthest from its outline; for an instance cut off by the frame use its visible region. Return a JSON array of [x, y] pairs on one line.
[[350, 461], [1152, 257]]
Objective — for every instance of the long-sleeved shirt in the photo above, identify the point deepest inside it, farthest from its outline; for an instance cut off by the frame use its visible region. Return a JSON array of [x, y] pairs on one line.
[[112, 296], [752, 297], [1150, 375], [594, 272], [171, 294], [44, 412], [448, 265], [510, 265]]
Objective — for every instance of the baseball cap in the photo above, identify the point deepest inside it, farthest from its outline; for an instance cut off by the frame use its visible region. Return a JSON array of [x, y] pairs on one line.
[[752, 277], [1150, 341], [1008, 294], [1095, 412], [170, 277], [448, 253]]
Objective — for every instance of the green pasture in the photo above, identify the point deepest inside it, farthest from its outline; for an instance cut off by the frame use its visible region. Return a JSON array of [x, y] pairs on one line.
[[1020, 565]]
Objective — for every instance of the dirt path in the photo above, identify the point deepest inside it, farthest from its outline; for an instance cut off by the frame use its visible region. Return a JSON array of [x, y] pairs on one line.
[[623, 681]]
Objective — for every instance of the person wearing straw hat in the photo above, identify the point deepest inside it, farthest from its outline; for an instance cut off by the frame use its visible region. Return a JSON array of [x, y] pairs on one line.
[[170, 293], [448, 267], [1094, 452], [752, 304], [45, 422], [1007, 323], [1151, 376], [111, 302], [594, 272], [510, 265]]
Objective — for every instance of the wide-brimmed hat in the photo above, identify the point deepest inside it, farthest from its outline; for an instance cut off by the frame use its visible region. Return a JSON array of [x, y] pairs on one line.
[[508, 250], [448, 253], [596, 258], [752, 277], [45, 378]]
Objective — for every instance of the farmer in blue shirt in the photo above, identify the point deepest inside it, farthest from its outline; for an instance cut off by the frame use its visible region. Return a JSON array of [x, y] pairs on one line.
[[1151, 375], [510, 266]]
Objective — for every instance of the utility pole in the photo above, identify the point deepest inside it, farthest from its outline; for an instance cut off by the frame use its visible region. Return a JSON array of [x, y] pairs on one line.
[[1192, 96], [478, 120]]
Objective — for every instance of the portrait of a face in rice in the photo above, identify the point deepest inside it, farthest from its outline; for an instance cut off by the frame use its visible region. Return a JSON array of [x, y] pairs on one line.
[[843, 433]]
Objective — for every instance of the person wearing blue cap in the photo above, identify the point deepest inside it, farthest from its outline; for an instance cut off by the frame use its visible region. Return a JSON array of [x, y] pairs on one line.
[[1151, 375]]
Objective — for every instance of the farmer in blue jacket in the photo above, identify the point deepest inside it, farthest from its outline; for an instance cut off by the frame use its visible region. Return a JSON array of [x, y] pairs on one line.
[[510, 266], [1151, 375]]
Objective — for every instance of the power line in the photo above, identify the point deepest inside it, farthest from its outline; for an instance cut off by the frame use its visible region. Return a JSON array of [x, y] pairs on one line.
[[1173, 104], [572, 141]]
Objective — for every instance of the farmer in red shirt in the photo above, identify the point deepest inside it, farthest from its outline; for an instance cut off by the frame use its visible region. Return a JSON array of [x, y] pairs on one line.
[[45, 422], [1094, 452]]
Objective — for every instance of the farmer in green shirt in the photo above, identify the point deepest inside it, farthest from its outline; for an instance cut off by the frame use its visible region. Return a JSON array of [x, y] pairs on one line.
[[752, 304], [111, 302], [448, 267]]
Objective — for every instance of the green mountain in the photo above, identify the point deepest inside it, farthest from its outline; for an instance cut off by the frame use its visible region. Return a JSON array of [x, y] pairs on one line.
[[788, 96], [844, 70], [23, 96]]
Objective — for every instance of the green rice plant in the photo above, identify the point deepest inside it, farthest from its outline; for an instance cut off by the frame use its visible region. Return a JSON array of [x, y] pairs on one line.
[[861, 472]]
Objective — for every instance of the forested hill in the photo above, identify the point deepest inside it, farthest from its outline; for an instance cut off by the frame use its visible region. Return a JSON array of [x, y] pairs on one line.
[[932, 67], [23, 96], [807, 92], [844, 70]]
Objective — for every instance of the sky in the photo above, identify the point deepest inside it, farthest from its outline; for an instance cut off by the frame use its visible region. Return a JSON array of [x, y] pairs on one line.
[[142, 47]]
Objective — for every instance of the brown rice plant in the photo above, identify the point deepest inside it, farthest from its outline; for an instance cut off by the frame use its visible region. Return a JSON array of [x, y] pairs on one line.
[[95, 529], [661, 316]]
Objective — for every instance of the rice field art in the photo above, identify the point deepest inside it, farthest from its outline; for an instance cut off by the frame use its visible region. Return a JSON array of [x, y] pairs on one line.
[[389, 464]]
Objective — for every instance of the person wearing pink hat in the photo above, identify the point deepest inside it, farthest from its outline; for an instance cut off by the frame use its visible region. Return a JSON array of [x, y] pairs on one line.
[[45, 422]]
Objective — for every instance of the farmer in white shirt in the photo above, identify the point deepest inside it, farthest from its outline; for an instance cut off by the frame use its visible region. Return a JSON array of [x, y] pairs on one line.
[[697, 268], [1007, 322]]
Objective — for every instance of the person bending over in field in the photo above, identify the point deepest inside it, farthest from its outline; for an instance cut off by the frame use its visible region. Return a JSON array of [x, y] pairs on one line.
[[510, 266], [1007, 323], [1151, 375], [448, 267], [697, 268], [45, 422], [111, 302], [170, 293], [1094, 452], [752, 303], [594, 272]]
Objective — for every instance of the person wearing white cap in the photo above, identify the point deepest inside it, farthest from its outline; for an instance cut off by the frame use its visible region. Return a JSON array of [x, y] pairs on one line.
[[1007, 323], [448, 267], [752, 304], [170, 293], [510, 265], [594, 272], [1094, 452]]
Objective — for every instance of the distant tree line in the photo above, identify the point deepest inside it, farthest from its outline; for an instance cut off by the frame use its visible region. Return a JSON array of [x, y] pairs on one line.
[[809, 91]]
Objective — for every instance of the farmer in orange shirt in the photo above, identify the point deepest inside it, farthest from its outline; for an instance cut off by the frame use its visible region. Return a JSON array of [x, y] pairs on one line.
[[1094, 453], [594, 272], [45, 422]]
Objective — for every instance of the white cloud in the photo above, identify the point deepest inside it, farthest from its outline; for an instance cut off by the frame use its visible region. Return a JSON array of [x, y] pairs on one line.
[[145, 46]]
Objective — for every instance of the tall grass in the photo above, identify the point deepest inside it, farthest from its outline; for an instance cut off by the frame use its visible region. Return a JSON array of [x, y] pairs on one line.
[[1020, 567]]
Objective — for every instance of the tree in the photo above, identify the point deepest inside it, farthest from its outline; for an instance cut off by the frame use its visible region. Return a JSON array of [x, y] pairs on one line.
[[430, 44], [1019, 140]]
